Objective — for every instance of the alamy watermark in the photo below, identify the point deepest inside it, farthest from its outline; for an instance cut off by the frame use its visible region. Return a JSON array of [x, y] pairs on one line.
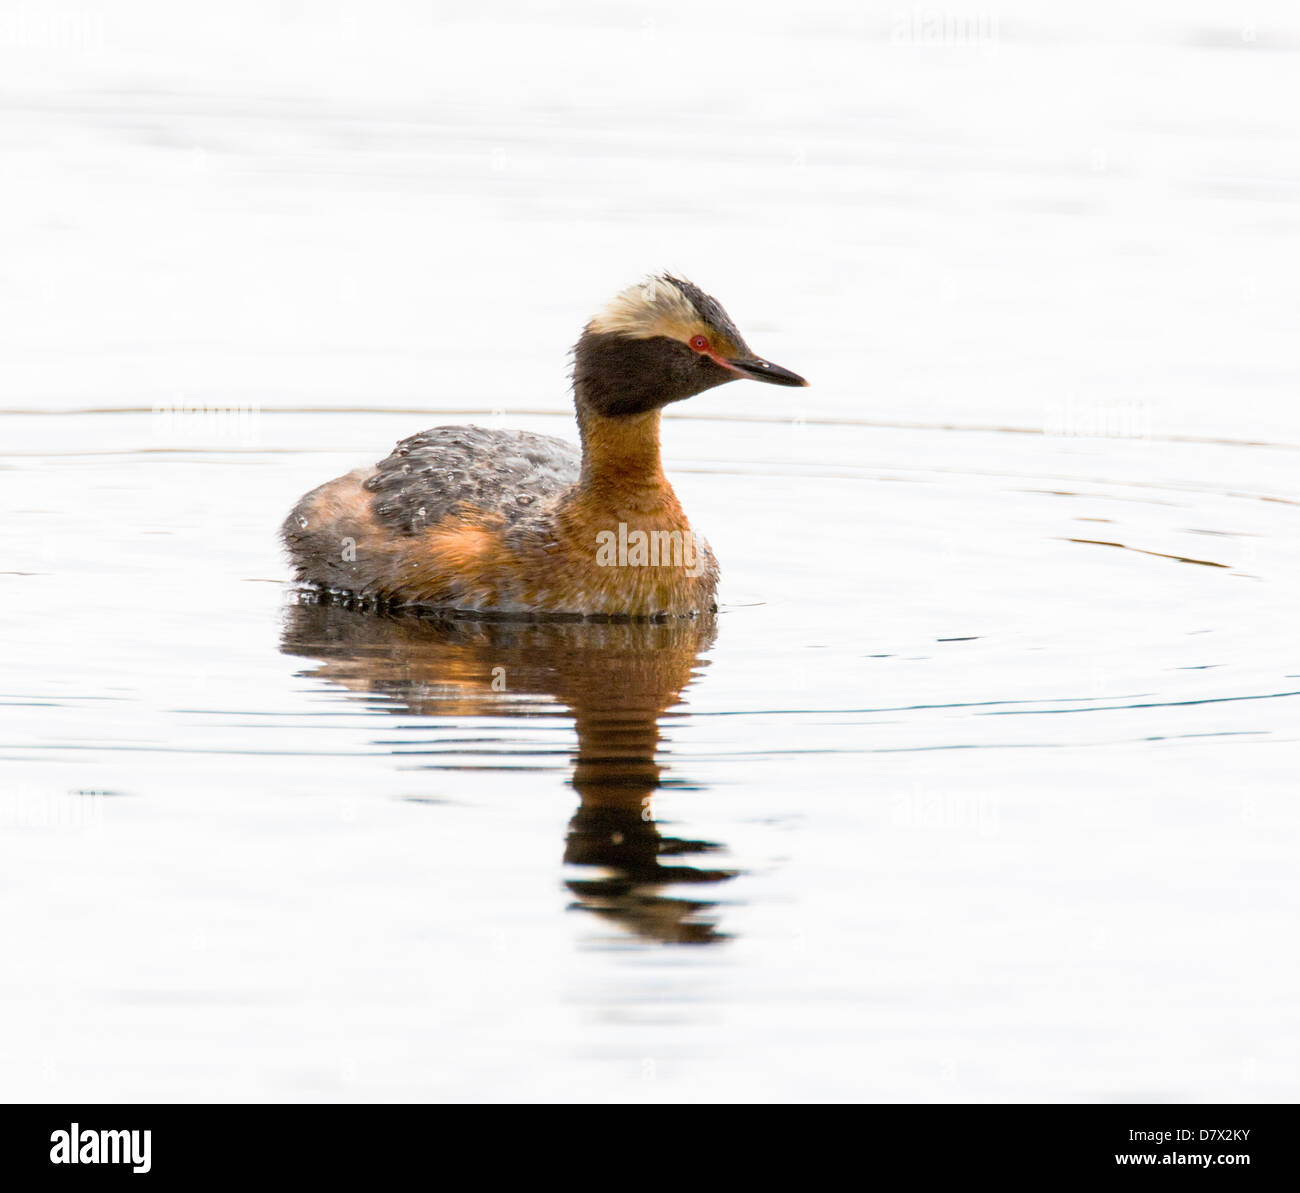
[[206, 422], [80, 1145], [1089, 419], [73, 811], [649, 548], [30, 26], [926, 26], [921, 808]]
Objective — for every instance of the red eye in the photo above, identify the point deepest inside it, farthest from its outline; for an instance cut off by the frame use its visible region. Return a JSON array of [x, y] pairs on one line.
[[699, 343]]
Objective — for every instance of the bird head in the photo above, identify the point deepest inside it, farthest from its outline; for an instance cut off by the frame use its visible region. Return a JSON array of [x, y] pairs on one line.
[[660, 341]]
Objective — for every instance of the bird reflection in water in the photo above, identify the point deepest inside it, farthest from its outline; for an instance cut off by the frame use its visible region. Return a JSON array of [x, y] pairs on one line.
[[617, 679]]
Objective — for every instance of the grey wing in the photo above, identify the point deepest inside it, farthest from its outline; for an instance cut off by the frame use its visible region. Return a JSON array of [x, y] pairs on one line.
[[504, 472]]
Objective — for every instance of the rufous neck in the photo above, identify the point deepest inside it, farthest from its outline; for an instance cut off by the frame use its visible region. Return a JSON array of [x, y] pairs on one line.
[[621, 454]]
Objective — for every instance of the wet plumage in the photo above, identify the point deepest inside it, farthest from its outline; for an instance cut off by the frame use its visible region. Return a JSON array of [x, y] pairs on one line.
[[430, 475]]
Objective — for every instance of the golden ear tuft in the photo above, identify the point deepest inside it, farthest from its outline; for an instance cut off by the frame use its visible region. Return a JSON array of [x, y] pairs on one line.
[[655, 306]]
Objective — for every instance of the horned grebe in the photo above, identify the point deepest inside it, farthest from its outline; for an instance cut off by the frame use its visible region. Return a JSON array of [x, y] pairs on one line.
[[508, 522]]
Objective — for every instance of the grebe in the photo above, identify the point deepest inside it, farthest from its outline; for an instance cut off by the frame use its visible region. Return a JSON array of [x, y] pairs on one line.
[[508, 522]]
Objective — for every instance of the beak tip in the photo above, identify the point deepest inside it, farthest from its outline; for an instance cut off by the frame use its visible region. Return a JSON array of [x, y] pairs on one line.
[[757, 369]]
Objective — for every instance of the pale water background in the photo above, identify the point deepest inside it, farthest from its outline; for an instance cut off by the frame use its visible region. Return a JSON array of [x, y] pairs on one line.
[[956, 806]]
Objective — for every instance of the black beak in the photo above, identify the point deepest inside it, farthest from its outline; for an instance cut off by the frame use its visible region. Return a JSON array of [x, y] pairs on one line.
[[764, 370]]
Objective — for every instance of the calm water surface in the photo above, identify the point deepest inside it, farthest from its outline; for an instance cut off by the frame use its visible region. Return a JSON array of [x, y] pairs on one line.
[[979, 786]]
